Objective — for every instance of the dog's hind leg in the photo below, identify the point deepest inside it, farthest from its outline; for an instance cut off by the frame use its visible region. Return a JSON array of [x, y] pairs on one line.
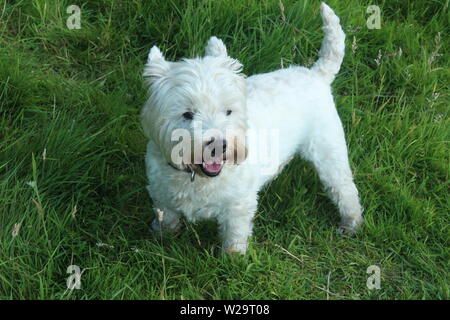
[[328, 153]]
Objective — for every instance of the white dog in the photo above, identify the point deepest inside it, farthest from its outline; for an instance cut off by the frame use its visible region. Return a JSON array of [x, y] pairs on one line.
[[210, 93]]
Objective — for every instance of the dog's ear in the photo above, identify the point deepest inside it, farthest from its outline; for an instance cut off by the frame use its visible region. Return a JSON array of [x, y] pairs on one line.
[[156, 66], [216, 48]]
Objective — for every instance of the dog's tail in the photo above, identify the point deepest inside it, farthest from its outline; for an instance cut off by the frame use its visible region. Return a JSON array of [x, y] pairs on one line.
[[332, 51]]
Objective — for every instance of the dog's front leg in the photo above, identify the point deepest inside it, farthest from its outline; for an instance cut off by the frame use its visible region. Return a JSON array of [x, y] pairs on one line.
[[165, 220], [236, 225]]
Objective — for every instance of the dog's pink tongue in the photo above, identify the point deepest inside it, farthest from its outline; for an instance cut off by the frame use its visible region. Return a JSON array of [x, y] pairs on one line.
[[213, 166]]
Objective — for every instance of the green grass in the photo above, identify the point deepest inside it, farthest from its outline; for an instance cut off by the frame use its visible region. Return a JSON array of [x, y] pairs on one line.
[[72, 169]]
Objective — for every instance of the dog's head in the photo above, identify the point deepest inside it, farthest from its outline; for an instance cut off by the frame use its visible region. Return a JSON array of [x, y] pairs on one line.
[[197, 112]]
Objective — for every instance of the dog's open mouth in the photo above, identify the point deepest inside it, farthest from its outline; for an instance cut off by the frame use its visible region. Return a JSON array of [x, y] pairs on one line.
[[212, 167]]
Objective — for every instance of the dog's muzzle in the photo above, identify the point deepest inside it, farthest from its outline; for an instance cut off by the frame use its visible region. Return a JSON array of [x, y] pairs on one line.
[[213, 163]]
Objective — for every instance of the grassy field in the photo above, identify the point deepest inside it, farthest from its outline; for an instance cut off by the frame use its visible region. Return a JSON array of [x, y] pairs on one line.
[[72, 182]]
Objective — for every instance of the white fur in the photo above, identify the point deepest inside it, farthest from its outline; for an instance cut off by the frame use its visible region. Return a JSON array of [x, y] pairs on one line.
[[295, 101]]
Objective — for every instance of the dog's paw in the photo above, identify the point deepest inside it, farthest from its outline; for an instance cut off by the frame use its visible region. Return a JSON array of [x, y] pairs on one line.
[[349, 227], [173, 227], [235, 248]]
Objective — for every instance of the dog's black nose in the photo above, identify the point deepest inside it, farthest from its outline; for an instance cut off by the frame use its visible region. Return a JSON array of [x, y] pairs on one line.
[[217, 145]]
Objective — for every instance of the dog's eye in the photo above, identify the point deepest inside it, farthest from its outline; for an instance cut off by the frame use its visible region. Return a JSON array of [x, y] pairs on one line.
[[228, 112], [188, 115]]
